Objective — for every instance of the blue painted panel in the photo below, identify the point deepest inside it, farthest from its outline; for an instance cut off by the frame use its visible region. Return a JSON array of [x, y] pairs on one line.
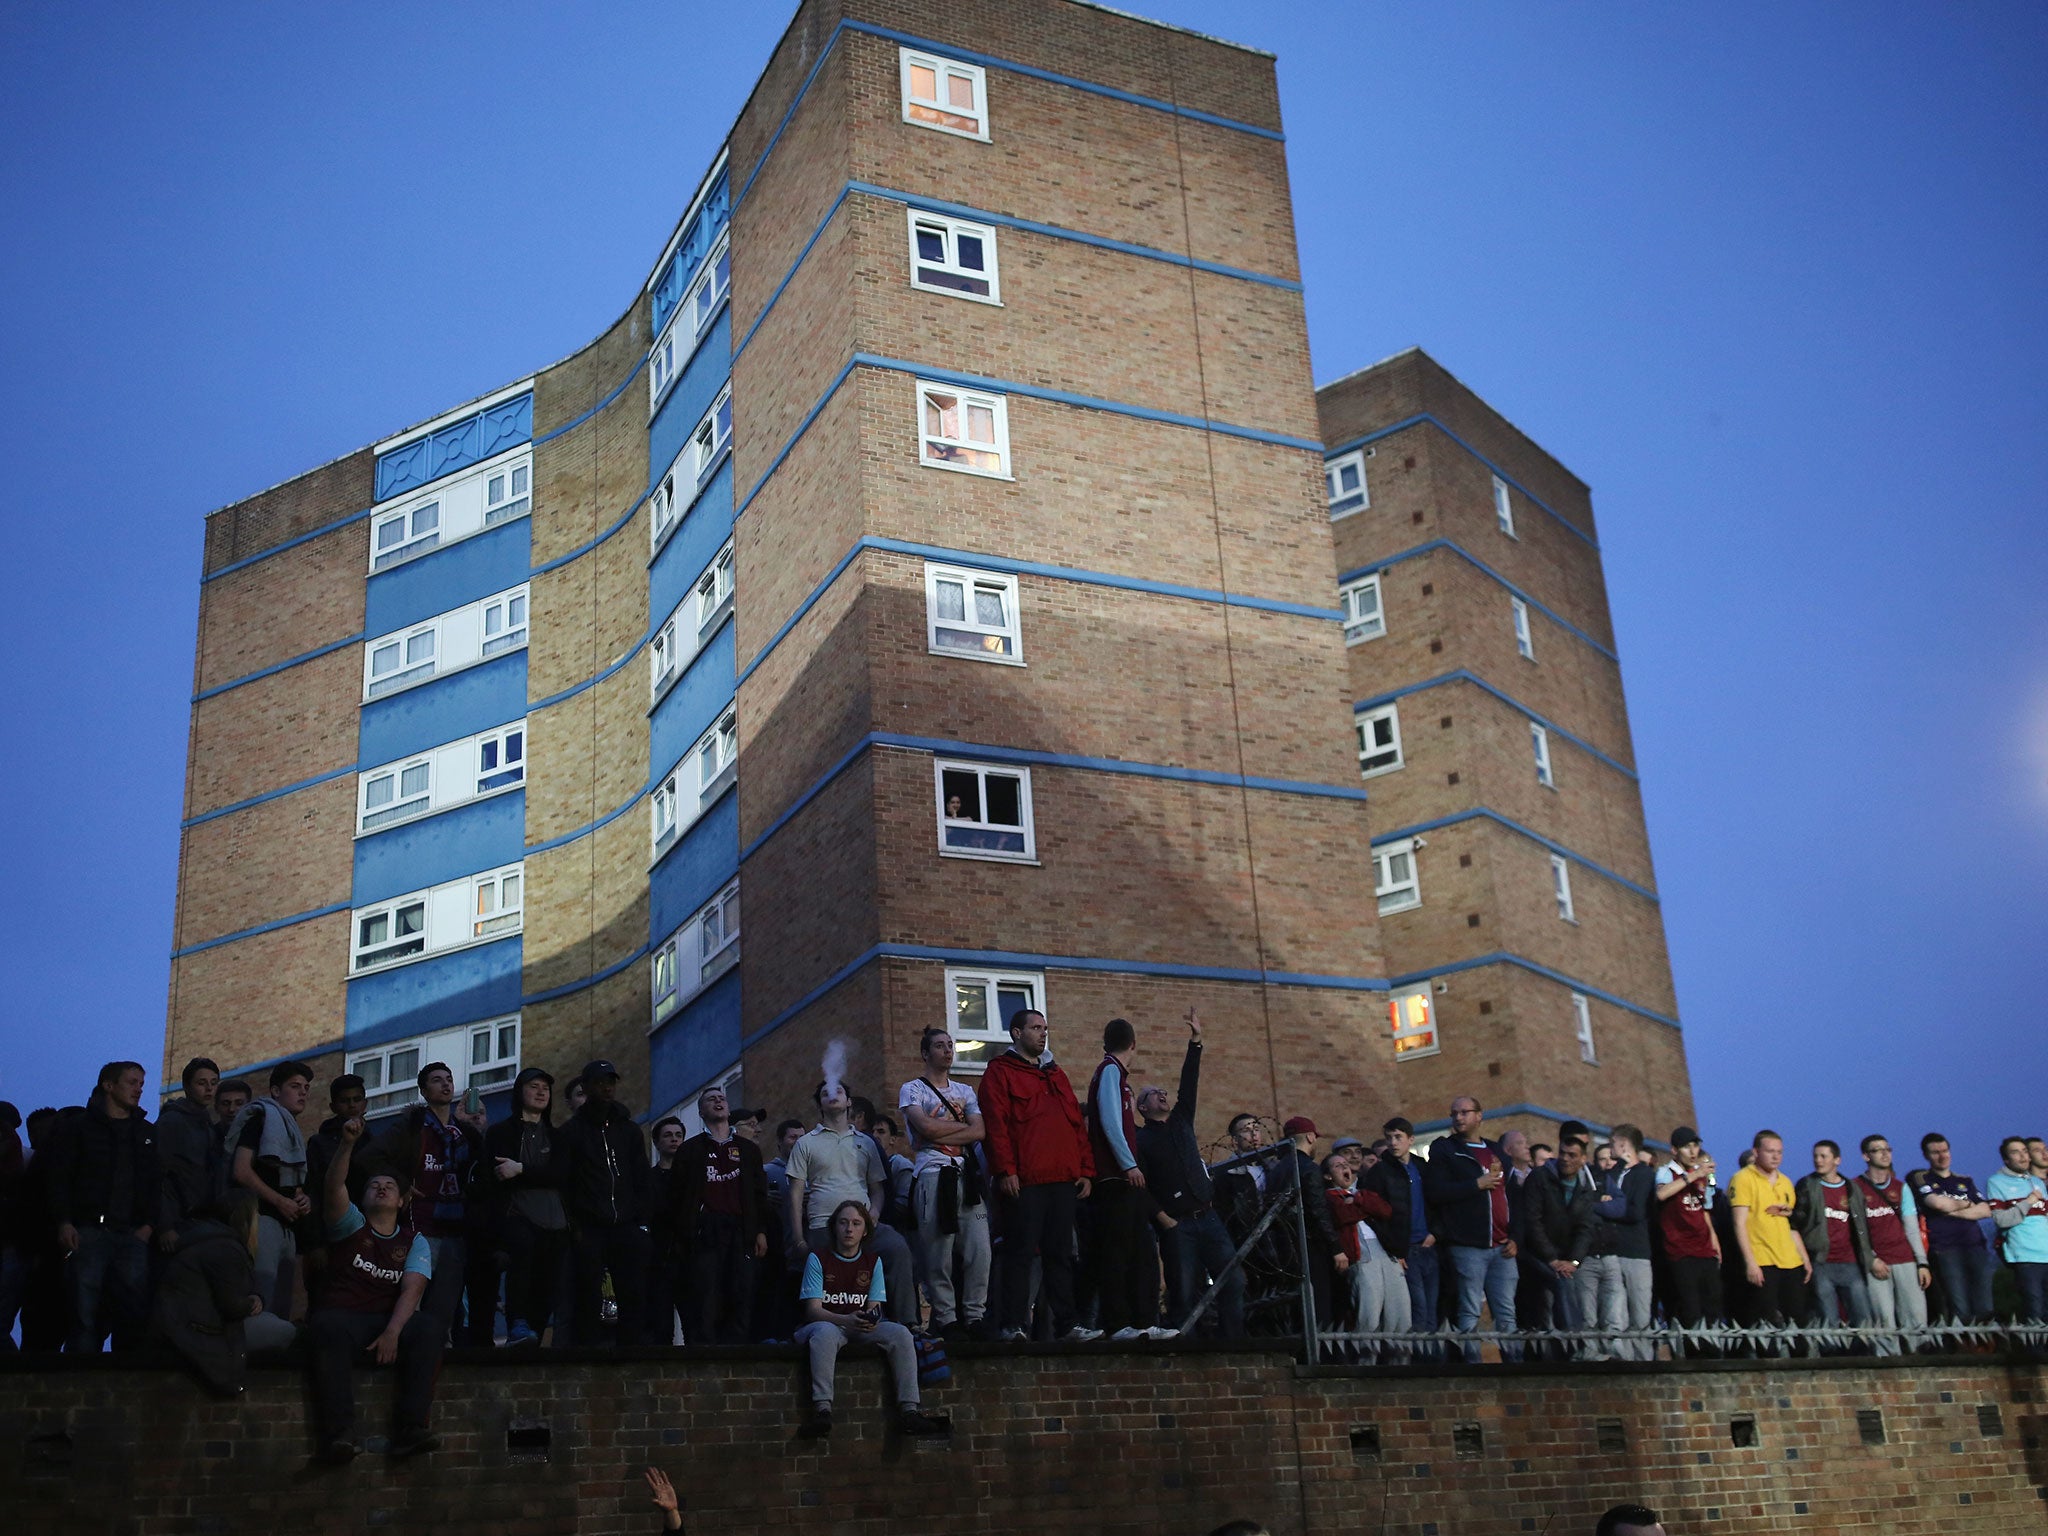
[[444, 847], [690, 251], [691, 397], [466, 442], [687, 710], [441, 993], [703, 532], [702, 1038], [695, 869], [448, 578], [460, 704]]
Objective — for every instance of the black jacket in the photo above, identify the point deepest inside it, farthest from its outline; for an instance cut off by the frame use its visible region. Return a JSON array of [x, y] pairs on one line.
[[1555, 1227], [1388, 1179], [202, 1300], [1810, 1221], [604, 1174], [1315, 1209], [1451, 1180], [104, 1172], [686, 1187], [1626, 1215], [504, 1139], [194, 1168], [1168, 1152]]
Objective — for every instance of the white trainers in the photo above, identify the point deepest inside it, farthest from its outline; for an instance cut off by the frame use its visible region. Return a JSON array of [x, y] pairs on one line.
[[1162, 1333], [1012, 1336], [1079, 1334], [1125, 1335]]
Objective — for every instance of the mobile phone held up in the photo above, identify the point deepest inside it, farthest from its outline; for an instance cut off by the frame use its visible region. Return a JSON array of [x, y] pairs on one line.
[[473, 1101]]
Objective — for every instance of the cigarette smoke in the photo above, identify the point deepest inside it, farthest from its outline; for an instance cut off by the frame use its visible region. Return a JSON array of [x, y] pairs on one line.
[[834, 1066]]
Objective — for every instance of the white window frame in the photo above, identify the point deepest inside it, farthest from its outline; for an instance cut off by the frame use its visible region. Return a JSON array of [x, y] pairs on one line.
[[497, 903], [678, 343], [666, 503], [1395, 880], [453, 641], [682, 967], [949, 231], [446, 916], [461, 506], [983, 771], [413, 539], [970, 580], [664, 654], [714, 593], [1561, 887], [509, 613], [411, 668], [404, 918], [510, 743], [508, 491], [931, 393], [455, 775], [1413, 1036], [1503, 508], [977, 1048], [1359, 625], [391, 1071], [718, 935], [1539, 741], [1389, 715], [1343, 503], [717, 755], [709, 440], [926, 112], [695, 783], [402, 805], [1582, 1028], [1525, 642], [665, 803]]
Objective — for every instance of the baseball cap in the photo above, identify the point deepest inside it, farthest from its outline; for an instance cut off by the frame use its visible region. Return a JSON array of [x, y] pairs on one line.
[[1682, 1135], [596, 1069], [1300, 1125], [1345, 1141]]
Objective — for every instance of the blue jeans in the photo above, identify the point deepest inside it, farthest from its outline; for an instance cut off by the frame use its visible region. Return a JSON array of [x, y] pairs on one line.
[[1197, 1248], [1489, 1275], [2032, 1279], [1425, 1277], [1839, 1289], [109, 1281], [1965, 1275]]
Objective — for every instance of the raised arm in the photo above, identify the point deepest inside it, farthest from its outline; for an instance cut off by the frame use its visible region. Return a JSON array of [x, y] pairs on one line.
[[334, 1194]]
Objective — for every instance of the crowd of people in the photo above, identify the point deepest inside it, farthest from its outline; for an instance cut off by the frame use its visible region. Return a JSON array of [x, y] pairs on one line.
[[1007, 1208]]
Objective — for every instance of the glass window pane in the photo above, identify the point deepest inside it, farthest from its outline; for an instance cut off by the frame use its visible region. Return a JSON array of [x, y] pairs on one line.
[[931, 244], [511, 891], [488, 757], [988, 607], [419, 648], [508, 1041], [391, 533], [427, 518], [970, 1006], [384, 659], [379, 791], [959, 91], [497, 490], [519, 478], [1005, 802], [412, 918], [969, 247], [405, 1064], [479, 1047], [981, 424], [924, 82], [515, 746], [373, 930], [371, 1070], [1011, 999], [963, 795], [934, 415], [414, 780], [952, 601]]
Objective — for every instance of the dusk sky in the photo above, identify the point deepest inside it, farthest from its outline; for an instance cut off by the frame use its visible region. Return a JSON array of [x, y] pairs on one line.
[[1770, 279]]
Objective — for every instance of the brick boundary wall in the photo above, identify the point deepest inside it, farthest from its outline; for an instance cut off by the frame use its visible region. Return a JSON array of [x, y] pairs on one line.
[[1159, 1440]]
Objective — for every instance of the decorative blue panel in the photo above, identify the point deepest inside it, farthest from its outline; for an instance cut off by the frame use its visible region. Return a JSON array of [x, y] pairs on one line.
[[688, 708], [440, 993], [695, 869], [454, 447], [449, 578], [690, 252], [705, 528], [702, 1038], [482, 835], [690, 397], [460, 704]]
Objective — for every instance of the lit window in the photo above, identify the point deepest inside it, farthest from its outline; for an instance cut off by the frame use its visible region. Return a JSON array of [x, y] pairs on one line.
[[984, 812], [1411, 1014], [714, 591], [717, 754], [1561, 886], [1363, 617], [1503, 510], [399, 536], [962, 430], [1393, 877], [954, 257], [507, 493], [395, 794], [505, 623], [1379, 740], [1539, 740], [980, 1005], [401, 661], [1582, 1022], [1344, 480], [493, 1055], [501, 758], [1523, 642], [396, 930], [942, 94], [972, 613]]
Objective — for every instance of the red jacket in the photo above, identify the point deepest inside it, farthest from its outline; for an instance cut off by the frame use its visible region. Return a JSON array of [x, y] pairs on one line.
[[1348, 1207], [1035, 1127]]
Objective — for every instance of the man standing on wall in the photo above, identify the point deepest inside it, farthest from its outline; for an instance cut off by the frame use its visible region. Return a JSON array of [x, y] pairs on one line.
[[720, 1214], [189, 1150], [1197, 1247], [1692, 1251], [1409, 1238], [105, 1193], [1127, 1278], [2021, 1211], [949, 1198], [268, 1157], [605, 1187], [1899, 1273], [1954, 1207], [1615, 1287], [1774, 1262], [1039, 1154], [433, 1147], [1828, 1214], [1467, 1176]]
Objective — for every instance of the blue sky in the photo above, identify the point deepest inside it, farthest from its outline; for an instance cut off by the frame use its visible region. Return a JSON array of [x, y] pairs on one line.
[[1768, 278]]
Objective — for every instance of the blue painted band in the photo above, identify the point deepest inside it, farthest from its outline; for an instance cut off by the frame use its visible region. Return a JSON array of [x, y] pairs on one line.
[[1502, 957], [1463, 676], [795, 266], [1425, 417], [583, 549], [250, 933], [272, 670], [1482, 814], [576, 421], [278, 549], [269, 794], [796, 436], [1484, 569], [592, 980]]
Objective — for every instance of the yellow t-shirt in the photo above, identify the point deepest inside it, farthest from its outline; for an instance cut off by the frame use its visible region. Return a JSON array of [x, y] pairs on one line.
[[1770, 1237]]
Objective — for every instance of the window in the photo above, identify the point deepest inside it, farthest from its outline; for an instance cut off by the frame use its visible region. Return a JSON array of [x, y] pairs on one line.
[[695, 783], [954, 257], [1393, 877], [1503, 511], [390, 1076], [980, 1006], [717, 753], [698, 953], [718, 933], [663, 803], [664, 981], [984, 812], [506, 493], [711, 438], [1561, 885], [938, 93], [711, 287], [399, 536], [401, 661], [501, 758], [1582, 1022], [1363, 618], [483, 1056], [1539, 739], [1379, 740], [1411, 1014], [714, 591], [1523, 642], [497, 907], [962, 430], [663, 505], [505, 623], [686, 327], [394, 931], [1344, 480], [493, 1055], [972, 613], [663, 657], [395, 794]]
